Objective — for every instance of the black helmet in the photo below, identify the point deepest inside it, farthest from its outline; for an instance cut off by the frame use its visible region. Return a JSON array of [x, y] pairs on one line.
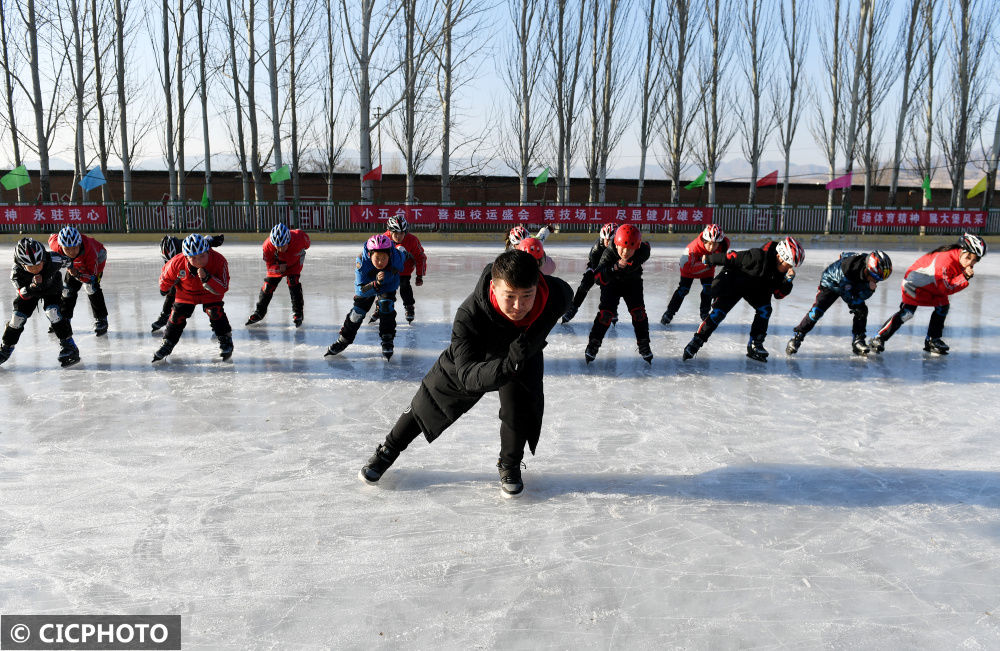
[[29, 252], [169, 247]]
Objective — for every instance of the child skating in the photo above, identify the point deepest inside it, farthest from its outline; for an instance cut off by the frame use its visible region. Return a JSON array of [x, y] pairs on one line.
[[604, 240], [170, 246], [284, 252], [854, 278], [929, 282], [87, 258], [399, 231], [754, 275], [711, 240]]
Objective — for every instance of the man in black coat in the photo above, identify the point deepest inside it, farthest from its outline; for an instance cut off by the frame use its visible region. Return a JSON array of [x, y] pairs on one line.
[[496, 345], [754, 275]]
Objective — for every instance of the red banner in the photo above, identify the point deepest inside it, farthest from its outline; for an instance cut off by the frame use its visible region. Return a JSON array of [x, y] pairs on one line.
[[53, 215], [911, 218], [504, 216]]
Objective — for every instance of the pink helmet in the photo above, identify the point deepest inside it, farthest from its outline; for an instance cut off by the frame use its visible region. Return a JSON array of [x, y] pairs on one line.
[[380, 242], [712, 233], [608, 231], [533, 246], [517, 234], [791, 252]]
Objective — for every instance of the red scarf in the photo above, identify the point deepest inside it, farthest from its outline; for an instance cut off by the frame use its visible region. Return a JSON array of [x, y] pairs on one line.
[[541, 297]]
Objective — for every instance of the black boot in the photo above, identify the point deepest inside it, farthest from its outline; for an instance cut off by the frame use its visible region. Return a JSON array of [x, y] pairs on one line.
[[409, 312], [796, 341], [755, 349], [69, 354], [570, 313], [166, 347], [859, 346], [160, 321], [693, 346], [337, 347], [298, 303], [876, 344], [936, 345], [667, 317], [100, 327], [387, 346], [5, 352], [378, 463], [260, 310], [226, 346], [645, 352], [510, 479], [590, 354]]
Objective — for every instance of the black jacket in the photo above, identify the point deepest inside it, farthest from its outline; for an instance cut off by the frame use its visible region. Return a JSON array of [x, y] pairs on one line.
[[51, 274], [751, 271], [474, 362], [610, 269], [594, 257]]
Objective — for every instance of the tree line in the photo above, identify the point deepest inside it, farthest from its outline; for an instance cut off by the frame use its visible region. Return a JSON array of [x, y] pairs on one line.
[[884, 88]]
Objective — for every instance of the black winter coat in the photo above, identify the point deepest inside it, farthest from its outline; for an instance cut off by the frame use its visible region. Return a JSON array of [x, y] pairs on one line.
[[594, 257], [609, 270], [51, 274], [474, 364], [753, 272]]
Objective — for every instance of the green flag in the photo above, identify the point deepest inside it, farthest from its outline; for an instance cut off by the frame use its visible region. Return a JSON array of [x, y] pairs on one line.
[[204, 198], [280, 174], [927, 188], [698, 182], [543, 177], [15, 178]]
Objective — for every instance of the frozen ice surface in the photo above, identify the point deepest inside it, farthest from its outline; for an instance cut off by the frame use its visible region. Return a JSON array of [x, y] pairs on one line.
[[818, 501]]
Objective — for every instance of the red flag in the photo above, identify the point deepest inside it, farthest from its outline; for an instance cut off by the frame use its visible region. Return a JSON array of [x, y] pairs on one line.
[[770, 179], [374, 175], [839, 182]]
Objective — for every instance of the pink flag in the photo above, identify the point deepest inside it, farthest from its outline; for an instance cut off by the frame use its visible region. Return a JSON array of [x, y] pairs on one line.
[[839, 182]]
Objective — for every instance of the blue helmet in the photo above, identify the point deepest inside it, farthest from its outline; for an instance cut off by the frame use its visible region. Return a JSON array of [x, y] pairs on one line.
[[280, 235], [194, 244], [69, 236]]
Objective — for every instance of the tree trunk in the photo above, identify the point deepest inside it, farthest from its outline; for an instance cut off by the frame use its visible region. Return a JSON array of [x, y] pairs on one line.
[[905, 99], [272, 72], [38, 104], [293, 101], [79, 155], [102, 126], [258, 176], [122, 100], [446, 91], [852, 130], [202, 55], [8, 88], [168, 101], [649, 78], [235, 76], [181, 105]]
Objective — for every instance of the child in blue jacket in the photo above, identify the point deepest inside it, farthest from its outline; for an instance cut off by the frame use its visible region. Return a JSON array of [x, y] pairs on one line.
[[376, 278]]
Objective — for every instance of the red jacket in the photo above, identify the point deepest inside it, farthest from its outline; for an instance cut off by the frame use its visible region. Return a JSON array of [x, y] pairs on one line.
[[419, 259], [190, 288], [691, 264], [932, 278], [292, 257], [91, 259]]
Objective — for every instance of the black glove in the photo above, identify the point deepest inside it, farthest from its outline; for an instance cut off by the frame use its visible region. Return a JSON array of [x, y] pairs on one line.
[[570, 313], [519, 351], [216, 240], [601, 275]]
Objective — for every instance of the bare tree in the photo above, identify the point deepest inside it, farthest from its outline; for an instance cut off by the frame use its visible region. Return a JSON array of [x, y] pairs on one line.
[[854, 102], [909, 35], [795, 18], [166, 81], [121, 15], [47, 108], [716, 131], [238, 138], [335, 135], [272, 76], [72, 23], [922, 130], [650, 90], [679, 39], [825, 128], [180, 63], [878, 73], [251, 94], [992, 158], [564, 41], [8, 78], [756, 121], [612, 124], [203, 92]]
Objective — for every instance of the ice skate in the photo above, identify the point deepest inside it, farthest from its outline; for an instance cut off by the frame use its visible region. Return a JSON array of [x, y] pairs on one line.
[[254, 317], [936, 345], [69, 354], [794, 343], [5, 352], [667, 318], [166, 347], [876, 345], [337, 347], [859, 346], [387, 347], [297, 320], [693, 347], [160, 322], [755, 349], [409, 313], [226, 346], [510, 479], [379, 462], [645, 352], [590, 354], [570, 313], [100, 327]]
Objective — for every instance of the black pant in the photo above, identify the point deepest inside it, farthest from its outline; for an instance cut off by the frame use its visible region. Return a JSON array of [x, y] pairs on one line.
[[726, 293], [683, 287], [267, 292], [585, 284], [181, 312], [611, 294], [386, 314], [25, 307], [406, 292], [826, 297], [168, 302], [72, 286], [934, 329]]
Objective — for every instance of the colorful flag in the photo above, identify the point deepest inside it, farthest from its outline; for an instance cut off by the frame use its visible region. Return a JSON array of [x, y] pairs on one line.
[[770, 179], [978, 188], [93, 179], [927, 188], [374, 175], [698, 182], [15, 178], [542, 178], [204, 198], [839, 182], [281, 174]]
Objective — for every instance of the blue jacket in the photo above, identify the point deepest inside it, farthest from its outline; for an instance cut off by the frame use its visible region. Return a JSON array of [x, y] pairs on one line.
[[365, 273], [848, 276]]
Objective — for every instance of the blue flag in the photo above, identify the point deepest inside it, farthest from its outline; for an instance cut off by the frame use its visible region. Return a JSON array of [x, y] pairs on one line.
[[93, 179]]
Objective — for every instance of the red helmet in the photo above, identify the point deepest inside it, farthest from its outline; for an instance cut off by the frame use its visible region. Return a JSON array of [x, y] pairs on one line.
[[879, 265], [791, 252], [712, 233], [517, 234], [608, 230], [533, 246], [628, 236]]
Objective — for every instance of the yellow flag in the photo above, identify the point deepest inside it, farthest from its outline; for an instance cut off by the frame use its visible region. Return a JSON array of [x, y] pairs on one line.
[[978, 188]]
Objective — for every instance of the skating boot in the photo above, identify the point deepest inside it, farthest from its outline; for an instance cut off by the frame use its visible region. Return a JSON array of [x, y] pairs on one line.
[[337, 347], [510, 479], [408, 309], [755, 350], [69, 354], [590, 354], [645, 352], [226, 346], [859, 346], [100, 327], [166, 347], [693, 347], [796, 341], [297, 320], [936, 345], [387, 347], [254, 318], [667, 318], [378, 463], [5, 352], [570, 313], [876, 345], [160, 322]]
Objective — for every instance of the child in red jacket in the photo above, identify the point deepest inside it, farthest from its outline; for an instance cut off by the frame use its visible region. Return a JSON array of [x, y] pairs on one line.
[[200, 275], [284, 251], [399, 231], [928, 282], [87, 258], [711, 240]]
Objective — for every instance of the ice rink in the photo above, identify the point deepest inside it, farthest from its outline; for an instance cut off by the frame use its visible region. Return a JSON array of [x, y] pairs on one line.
[[820, 501]]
